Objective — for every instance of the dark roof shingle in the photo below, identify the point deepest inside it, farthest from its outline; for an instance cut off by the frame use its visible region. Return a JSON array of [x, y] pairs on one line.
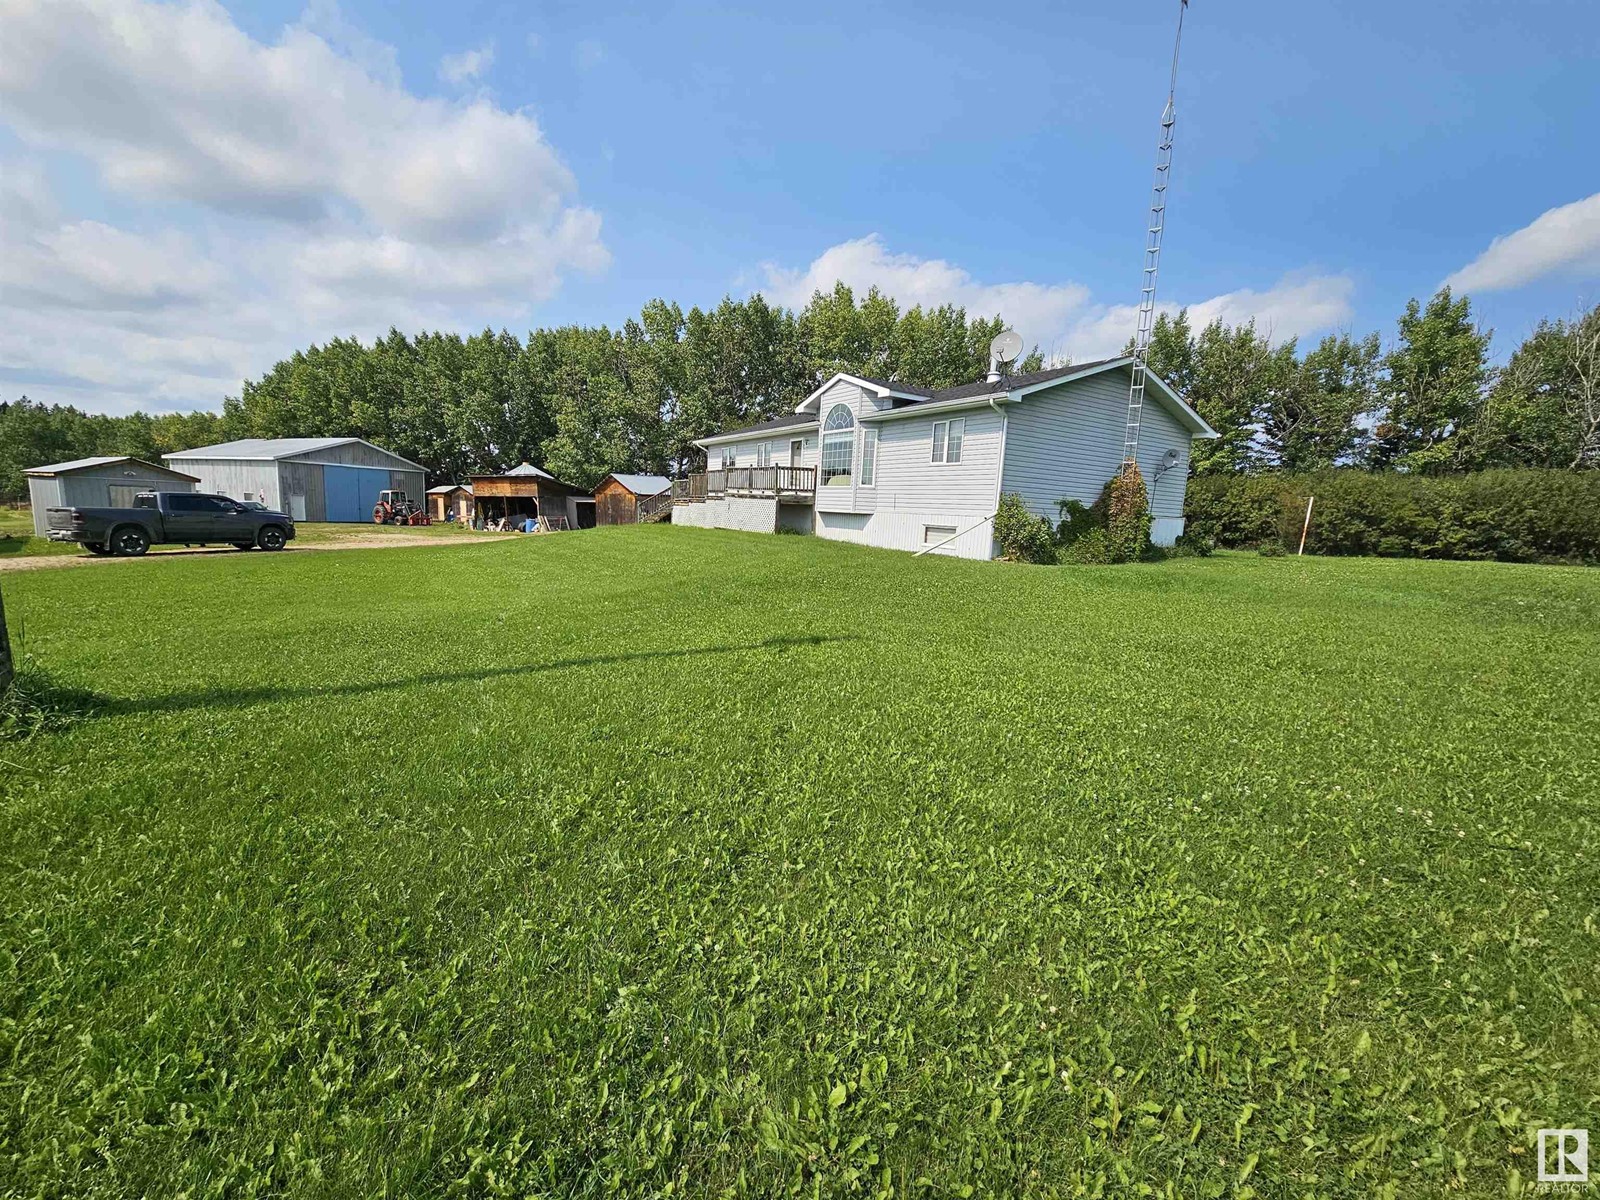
[[787, 421], [984, 388]]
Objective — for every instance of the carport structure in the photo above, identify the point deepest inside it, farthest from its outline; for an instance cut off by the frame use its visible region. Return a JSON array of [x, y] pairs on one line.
[[525, 491]]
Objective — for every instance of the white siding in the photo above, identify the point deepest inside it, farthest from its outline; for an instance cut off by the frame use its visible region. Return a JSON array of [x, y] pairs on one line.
[[749, 514], [906, 529], [235, 476], [779, 440], [1064, 443]]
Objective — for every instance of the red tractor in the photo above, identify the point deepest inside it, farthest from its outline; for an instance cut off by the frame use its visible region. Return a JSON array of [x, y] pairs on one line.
[[393, 508]]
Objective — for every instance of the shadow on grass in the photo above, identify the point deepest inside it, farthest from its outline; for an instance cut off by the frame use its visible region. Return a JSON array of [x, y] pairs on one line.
[[35, 703], [223, 697]]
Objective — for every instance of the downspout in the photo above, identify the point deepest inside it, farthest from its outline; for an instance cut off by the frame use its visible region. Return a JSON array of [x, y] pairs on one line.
[[1000, 468]]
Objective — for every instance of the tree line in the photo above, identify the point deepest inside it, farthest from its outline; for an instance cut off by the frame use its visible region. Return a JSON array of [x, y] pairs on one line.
[[582, 402], [1431, 404]]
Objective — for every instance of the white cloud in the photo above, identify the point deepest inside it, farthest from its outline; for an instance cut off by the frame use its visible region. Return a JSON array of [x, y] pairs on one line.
[[466, 65], [1063, 319], [1561, 239], [280, 193]]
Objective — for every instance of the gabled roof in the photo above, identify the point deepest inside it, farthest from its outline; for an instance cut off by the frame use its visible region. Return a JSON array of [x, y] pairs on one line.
[[83, 464], [1016, 388], [640, 485], [796, 420], [272, 449], [1011, 390], [450, 487], [527, 468], [885, 389], [1015, 382]]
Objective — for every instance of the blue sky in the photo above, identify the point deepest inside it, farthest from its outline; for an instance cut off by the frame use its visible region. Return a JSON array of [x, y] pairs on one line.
[[190, 192]]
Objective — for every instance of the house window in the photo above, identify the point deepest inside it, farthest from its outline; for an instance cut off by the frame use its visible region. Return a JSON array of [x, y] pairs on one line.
[[869, 457], [932, 535], [947, 439], [838, 444], [764, 454], [730, 457]]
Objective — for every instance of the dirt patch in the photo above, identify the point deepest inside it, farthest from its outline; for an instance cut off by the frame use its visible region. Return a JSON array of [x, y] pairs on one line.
[[41, 562]]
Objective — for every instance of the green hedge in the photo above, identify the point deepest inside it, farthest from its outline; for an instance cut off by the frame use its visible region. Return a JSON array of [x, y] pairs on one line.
[[1512, 516]]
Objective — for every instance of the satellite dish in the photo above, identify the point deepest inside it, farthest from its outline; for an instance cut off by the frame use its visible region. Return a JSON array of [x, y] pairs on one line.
[[1006, 346], [1169, 459]]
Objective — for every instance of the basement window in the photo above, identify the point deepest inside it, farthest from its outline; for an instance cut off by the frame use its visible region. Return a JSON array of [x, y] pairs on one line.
[[932, 535]]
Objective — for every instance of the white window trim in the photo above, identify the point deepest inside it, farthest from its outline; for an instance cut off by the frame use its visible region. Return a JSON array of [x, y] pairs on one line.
[[851, 471], [861, 477], [932, 535], [764, 454], [940, 454]]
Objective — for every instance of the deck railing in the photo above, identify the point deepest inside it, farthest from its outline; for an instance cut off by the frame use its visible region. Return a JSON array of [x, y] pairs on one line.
[[784, 483]]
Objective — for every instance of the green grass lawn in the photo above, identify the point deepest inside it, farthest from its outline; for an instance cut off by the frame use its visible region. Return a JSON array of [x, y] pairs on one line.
[[654, 859]]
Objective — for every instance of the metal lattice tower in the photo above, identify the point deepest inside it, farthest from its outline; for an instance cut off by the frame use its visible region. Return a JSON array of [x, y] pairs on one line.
[[1152, 260]]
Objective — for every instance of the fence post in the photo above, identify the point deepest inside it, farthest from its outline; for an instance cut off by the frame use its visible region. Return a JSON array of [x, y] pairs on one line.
[[6, 669], [1306, 528]]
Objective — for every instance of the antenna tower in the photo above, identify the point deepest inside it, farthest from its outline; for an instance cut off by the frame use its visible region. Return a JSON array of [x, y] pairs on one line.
[[1152, 260]]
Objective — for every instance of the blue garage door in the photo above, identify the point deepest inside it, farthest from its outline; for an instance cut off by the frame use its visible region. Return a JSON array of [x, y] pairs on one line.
[[352, 491]]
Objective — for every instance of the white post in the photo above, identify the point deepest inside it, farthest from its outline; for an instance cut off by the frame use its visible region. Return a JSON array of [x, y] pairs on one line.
[[1306, 528]]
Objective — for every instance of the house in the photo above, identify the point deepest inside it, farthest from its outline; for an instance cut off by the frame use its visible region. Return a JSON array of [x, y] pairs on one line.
[[107, 482], [909, 468], [311, 479], [618, 497], [448, 499], [527, 491]]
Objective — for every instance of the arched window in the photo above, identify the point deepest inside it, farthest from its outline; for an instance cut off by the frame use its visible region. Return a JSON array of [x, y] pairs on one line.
[[838, 444]]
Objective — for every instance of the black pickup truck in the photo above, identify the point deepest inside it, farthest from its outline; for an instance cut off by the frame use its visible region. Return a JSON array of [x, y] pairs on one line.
[[156, 518]]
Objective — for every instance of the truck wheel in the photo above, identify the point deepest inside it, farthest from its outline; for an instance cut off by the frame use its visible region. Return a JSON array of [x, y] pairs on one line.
[[129, 542], [271, 538]]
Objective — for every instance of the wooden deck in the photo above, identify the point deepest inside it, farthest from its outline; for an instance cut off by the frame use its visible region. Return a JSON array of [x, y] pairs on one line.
[[792, 485]]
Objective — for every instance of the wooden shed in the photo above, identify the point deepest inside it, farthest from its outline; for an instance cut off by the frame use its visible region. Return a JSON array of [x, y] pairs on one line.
[[450, 499], [617, 499], [525, 491], [106, 482]]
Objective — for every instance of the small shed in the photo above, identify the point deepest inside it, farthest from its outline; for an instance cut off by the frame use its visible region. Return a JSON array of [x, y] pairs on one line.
[[107, 482], [617, 499], [525, 491], [311, 479], [450, 499]]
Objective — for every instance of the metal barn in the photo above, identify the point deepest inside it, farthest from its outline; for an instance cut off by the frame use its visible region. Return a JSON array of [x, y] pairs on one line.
[[311, 479], [110, 482]]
